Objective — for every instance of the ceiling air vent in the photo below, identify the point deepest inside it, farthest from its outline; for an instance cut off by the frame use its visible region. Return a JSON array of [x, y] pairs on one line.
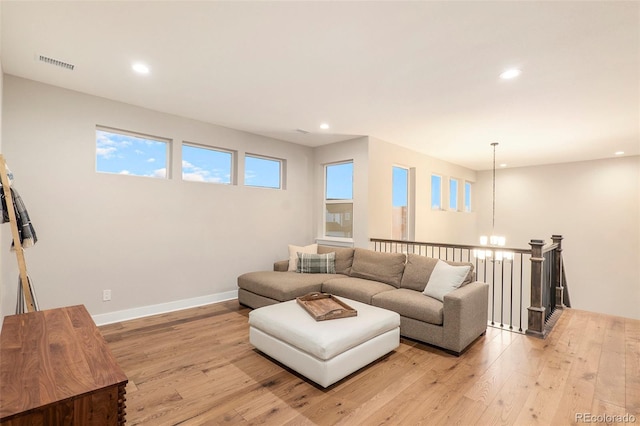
[[56, 62], [304, 132]]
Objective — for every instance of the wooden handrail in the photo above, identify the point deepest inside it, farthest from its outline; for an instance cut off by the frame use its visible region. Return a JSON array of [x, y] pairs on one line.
[[550, 247], [448, 245]]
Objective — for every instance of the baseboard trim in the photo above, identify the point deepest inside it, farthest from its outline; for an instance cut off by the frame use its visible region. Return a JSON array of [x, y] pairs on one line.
[[145, 311]]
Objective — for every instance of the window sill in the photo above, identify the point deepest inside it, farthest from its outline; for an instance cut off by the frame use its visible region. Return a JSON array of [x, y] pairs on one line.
[[335, 241]]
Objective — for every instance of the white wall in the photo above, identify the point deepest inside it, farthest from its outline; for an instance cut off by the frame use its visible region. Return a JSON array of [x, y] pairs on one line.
[[595, 206], [151, 241], [373, 162], [356, 150], [430, 225]]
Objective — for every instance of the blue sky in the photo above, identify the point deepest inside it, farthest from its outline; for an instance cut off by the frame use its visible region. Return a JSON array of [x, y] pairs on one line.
[[262, 172], [400, 187], [453, 194], [340, 181], [130, 155], [140, 156], [467, 196], [205, 165], [436, 192]]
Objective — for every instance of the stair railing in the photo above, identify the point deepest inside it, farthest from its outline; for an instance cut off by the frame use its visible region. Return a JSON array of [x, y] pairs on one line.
[[517, 278]]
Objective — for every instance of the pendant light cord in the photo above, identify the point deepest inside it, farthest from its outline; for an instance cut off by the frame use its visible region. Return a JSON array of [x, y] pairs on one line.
[[493, 219]]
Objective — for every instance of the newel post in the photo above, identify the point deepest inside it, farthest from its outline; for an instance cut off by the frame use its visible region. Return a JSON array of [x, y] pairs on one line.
[[536, 315], [557, 266]]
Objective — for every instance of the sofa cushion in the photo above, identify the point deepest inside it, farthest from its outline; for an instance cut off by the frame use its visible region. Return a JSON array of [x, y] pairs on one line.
[[344, 257], [376, 266], [293, 254], [355, 288], [418, 271], [316, 263], [282, 285], [281, 265], [411, 304]]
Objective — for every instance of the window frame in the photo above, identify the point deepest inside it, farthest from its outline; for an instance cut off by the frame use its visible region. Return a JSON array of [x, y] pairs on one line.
[[167, 151], [334, 201], [281, 174], [232, 162]]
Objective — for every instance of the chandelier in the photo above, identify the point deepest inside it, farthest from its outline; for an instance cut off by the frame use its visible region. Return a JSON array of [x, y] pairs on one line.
[[493, 240]]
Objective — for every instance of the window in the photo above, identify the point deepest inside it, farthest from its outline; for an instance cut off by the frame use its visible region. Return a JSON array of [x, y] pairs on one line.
[[263, 172], [436, 192], [400, 203], [467, 196], [453, 194], [127, 153], [202, 164], [339, 200]]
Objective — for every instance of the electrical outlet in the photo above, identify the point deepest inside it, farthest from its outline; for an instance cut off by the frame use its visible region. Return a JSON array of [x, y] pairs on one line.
[[106, 295]]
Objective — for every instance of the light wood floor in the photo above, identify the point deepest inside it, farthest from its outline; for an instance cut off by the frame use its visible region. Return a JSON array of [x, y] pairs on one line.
[[197, 367]]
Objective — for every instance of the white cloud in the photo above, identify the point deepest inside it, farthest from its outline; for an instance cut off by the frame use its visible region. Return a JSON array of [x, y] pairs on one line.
[[198, 174], [190, 166], [201, 176], [195, 177], [124, 172], [106, 152], [139, 152], [107, 139], [107, 145], [103, 139], [151, 160], [160, 172]]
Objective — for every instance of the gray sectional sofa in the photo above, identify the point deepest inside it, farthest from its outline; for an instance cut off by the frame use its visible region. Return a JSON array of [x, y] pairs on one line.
[[393, 281]]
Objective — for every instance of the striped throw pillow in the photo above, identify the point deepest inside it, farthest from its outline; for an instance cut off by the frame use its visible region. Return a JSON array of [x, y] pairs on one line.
[[316, 263]]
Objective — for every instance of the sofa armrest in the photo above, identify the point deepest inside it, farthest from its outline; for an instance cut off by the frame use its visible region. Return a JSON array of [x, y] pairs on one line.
[[465, 315], [281, 266]]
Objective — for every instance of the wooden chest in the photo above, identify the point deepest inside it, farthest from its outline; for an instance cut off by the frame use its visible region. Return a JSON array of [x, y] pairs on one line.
[[56, 369]]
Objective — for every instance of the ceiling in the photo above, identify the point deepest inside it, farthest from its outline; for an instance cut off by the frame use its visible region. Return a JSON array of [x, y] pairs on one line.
[[424, 75]]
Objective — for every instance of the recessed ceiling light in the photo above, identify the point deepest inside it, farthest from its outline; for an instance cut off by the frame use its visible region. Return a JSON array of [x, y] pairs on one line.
[[324, 126], [140, 68], [510, 73], [619, 152], [503, 165]]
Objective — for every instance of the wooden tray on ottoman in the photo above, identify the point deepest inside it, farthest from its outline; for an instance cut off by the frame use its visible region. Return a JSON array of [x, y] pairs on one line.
[[323, 306]]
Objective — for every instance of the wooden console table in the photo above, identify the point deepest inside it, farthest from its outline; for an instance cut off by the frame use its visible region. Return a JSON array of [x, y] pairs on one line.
[[56, 369]]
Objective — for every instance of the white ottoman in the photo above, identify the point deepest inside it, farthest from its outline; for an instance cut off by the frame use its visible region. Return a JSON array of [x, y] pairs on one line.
[[324, 351]]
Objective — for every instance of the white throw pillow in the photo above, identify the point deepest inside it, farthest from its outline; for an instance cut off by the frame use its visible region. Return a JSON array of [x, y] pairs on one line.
[[293, 254], [444, 279]]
